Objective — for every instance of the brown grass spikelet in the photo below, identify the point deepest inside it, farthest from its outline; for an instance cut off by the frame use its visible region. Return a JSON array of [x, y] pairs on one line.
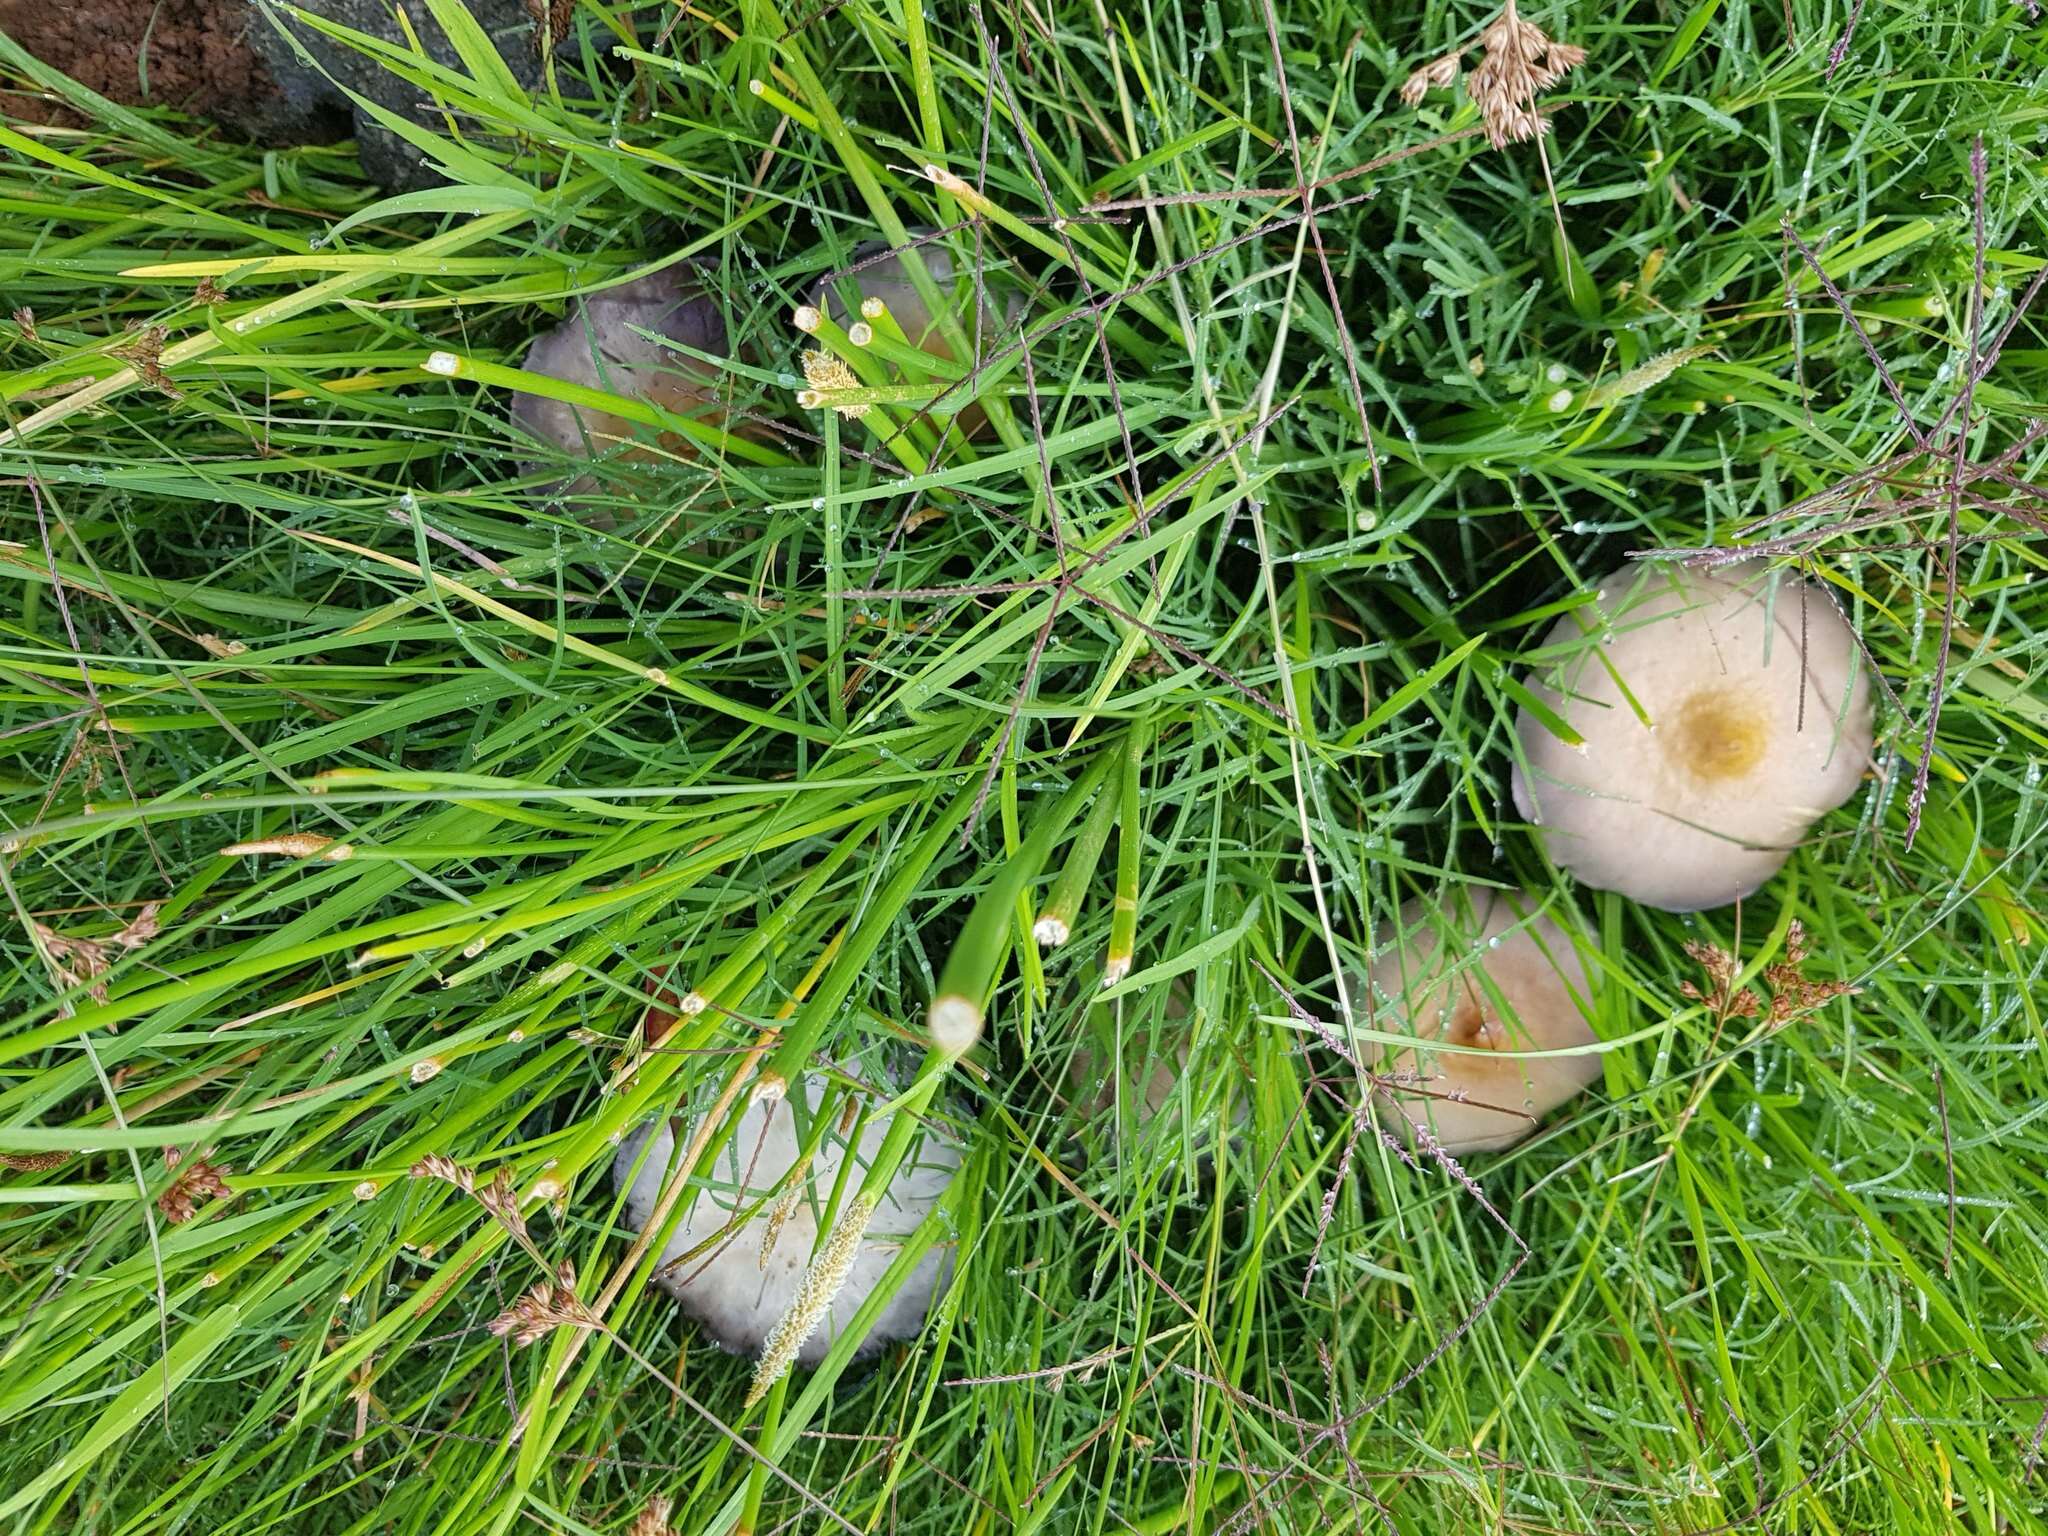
[[144, 352], [1437, 75], [193, 1183], [1791, 994], [501, 1199], [551, 22], [33, 1162], [447, 1170], [1518, 60], [81, 962], [539, 1312], [652, 1519], [1720, 994]]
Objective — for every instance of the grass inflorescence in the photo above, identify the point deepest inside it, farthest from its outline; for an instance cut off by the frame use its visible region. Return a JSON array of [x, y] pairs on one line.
[[398, 813]]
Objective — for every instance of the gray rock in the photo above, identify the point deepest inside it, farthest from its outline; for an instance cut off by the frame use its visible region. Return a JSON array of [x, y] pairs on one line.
[[312, 80]]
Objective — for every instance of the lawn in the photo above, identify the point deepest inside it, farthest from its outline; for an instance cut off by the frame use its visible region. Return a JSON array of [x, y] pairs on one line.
[[367, 767]]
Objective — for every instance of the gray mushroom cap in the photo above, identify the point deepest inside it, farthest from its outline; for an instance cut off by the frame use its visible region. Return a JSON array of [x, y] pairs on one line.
[[604, 343], [1722, 714], [747, 1277], [1491, 973]]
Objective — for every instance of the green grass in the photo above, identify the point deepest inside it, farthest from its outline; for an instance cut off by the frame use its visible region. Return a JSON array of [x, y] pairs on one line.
[[1775, 1281]]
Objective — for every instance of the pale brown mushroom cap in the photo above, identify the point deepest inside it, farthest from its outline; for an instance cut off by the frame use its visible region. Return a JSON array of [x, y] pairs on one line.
[[604, 344], [890, 281], [1754, 722], [1507, 981]]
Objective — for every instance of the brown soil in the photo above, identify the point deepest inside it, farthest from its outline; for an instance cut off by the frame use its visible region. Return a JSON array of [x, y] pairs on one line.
[[198, 58]]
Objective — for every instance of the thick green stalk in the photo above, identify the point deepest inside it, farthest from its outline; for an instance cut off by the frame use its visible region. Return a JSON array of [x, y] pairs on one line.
[[1123, 921], [1056, 919], [969, 974]]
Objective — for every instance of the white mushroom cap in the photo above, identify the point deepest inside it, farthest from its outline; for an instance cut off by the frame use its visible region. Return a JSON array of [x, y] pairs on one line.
[[737, 1290], [601, 346], [1754, 722], [1508, 981]]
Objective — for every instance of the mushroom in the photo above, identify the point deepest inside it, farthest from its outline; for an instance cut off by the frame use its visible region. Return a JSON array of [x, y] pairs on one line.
[[879, 279], [1125, 1089], [747, 1277], [1494, 974], [605, 343], [1153, 1060], [1721, 715]]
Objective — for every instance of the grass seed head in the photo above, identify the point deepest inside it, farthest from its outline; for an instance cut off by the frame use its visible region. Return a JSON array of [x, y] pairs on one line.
[[1518, 60], [192, 1185], [827, 374], [821, 1285], [85, 962], [539, 1312], [447, 1170], [33, 1162]]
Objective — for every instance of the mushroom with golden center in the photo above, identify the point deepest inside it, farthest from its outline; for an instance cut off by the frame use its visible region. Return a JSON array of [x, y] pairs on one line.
[[1498, 978], [1721, 713], [751, 1269], [613, 341]]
